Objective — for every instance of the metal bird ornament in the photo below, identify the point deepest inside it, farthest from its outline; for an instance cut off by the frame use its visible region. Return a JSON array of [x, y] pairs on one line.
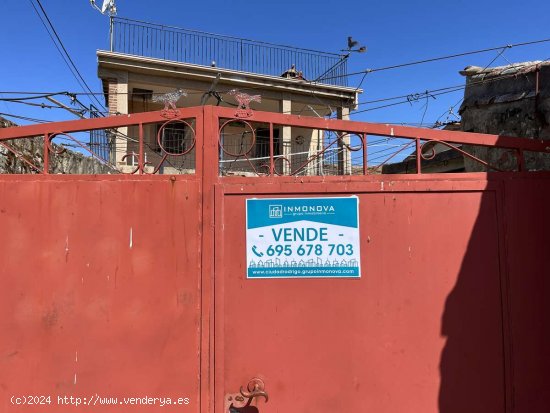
[[352, 43], [169, 100], [353, 47], [244, 100]]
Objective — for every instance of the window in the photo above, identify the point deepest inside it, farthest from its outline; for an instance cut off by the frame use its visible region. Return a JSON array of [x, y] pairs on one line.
[[176, 138]]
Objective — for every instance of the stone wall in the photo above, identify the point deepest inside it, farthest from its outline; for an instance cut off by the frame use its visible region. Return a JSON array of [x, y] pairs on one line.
[[32, 150], [510, 100]]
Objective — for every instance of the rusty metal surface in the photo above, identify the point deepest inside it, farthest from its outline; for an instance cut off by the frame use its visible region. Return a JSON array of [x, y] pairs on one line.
[[100, 282]]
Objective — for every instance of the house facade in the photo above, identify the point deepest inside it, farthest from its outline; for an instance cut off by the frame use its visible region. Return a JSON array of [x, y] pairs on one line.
[[146, 61]]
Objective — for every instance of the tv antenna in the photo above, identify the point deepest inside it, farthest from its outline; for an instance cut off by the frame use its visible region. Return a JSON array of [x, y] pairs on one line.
[[108, 7]]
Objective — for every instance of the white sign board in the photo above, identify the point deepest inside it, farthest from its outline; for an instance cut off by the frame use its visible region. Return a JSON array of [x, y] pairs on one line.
[[303, 237]]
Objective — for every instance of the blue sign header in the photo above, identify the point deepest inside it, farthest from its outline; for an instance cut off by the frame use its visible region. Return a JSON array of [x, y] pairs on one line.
[[274, 211]]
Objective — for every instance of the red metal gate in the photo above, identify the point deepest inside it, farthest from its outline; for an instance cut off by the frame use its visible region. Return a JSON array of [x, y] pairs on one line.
[[134, 287]]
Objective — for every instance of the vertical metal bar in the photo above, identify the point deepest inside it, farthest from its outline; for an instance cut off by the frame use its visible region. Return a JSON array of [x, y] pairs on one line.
[[133, 36], [210, 56], [173, 53], [271, 150], [141, 150], [168, 44], [139, 40], [183, 46], [365, 154], [344, 71], [271, 68], [418, 157], [46, 154], [163, 43], [241, 65], [521, 160], [266, 61]]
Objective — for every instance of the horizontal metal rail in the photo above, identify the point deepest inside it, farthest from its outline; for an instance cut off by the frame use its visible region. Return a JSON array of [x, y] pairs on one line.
[[206, 139], [189, 46]]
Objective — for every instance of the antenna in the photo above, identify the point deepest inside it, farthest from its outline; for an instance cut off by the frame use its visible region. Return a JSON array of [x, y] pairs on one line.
[[108, 7]]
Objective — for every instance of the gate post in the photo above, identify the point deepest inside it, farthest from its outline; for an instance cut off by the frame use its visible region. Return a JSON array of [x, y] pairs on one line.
[[207, 175], [46, 153]]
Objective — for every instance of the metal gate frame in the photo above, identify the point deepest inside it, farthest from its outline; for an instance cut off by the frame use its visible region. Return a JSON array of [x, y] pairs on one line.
[[213, 188]]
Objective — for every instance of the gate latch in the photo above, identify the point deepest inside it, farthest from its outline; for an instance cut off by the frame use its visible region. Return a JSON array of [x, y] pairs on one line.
[[241, 402]]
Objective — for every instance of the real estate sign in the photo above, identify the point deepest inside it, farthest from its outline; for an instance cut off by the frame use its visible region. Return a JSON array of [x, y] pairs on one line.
[[303, 237]]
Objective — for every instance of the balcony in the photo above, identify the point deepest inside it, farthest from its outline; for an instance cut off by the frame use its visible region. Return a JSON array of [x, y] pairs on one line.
[[139, 38]]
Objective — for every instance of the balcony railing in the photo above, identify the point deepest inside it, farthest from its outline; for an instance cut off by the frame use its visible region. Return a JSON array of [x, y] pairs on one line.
[[189, 46]]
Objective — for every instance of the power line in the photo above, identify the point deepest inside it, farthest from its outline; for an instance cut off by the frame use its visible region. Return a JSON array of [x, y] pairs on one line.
[[450, 112], [435, 59], [55, 44], [436, 92], [363, 72], [11, 92], [24, 118], [68, 57], [409, 98], [38, 96], [40, 105]]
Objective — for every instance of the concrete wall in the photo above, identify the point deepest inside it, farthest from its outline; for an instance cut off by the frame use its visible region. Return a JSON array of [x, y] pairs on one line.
[[508, 101]]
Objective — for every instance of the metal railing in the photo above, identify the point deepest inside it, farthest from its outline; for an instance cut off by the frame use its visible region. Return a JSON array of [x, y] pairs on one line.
[[189, 46], [100, 141]]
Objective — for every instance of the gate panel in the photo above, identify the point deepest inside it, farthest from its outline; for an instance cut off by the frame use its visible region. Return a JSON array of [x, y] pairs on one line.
[[421, 331], [527, 250], [108, 294], [103, 279]]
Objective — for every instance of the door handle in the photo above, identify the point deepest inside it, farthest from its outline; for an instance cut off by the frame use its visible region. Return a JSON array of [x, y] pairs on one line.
[[241, 402]]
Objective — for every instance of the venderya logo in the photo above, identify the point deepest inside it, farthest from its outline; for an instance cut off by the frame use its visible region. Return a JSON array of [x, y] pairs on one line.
[[275, 211]]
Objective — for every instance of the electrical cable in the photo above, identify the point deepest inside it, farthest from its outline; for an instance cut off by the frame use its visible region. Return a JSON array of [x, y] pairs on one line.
[[409, 97], [435, 59], [63, 47], [24, 118], [451, 109], [41, 105], [436, 92], [40, 96]]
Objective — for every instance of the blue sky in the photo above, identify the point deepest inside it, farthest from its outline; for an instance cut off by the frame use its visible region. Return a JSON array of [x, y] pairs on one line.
[[394, 32]]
